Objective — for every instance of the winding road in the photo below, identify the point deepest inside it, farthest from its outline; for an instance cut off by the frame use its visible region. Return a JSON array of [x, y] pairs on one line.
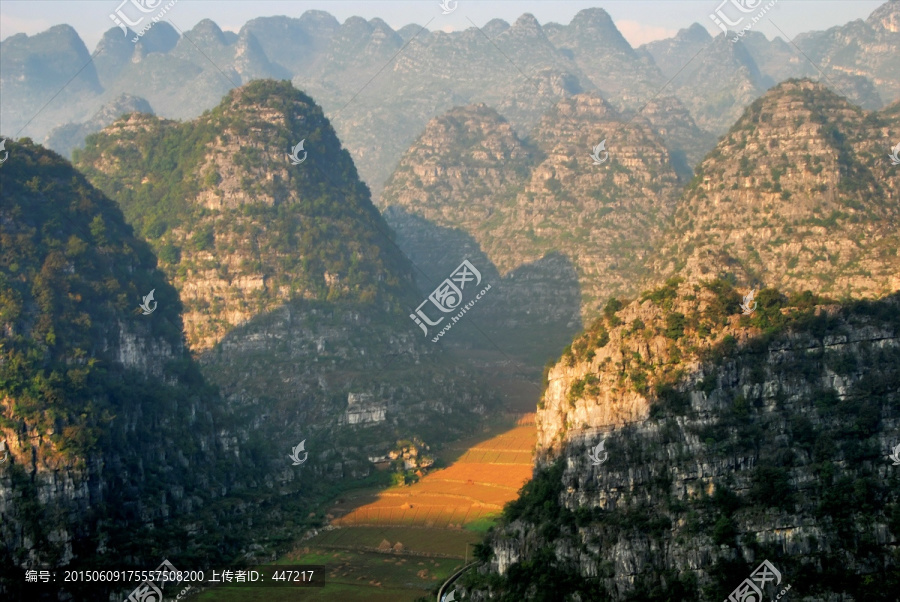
[[452, 579]]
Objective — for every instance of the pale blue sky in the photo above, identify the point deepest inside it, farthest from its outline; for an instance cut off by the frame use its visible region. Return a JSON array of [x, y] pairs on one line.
[[639, 20]]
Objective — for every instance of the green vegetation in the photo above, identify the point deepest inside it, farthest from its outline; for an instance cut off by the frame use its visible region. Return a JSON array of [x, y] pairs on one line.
[[69, 269], [71, 277], [587, 385], [675, 322], [664, 295]]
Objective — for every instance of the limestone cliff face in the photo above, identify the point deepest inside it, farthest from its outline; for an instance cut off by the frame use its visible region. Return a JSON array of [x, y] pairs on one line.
[[102, 412], [362, 408], [680, 441], [727, 440], [612, 405], [642, 353]]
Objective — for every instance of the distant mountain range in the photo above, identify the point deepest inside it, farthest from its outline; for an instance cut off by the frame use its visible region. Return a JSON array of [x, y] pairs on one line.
[[521, 70]]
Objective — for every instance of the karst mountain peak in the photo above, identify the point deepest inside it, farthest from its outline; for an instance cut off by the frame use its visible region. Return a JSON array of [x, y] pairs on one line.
[[797, 194]]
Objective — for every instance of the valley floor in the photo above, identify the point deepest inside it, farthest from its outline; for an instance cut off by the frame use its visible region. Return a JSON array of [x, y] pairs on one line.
[[398, 544]]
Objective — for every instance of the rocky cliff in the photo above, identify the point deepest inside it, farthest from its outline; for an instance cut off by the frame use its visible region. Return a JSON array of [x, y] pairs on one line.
[[295, 293], [103, 414], [681, 444]]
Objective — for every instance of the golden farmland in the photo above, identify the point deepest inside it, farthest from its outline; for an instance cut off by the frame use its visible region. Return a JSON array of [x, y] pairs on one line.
[[477, 485]]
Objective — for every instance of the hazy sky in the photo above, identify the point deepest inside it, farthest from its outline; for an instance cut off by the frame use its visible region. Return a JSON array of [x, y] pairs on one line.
[[639, 21]]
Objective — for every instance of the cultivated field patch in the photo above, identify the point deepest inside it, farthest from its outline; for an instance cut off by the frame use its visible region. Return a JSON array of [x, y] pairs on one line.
[[398, 544], [477, 485]]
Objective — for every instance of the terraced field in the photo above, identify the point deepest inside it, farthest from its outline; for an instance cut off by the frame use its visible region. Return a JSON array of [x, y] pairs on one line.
[[474, 487]]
